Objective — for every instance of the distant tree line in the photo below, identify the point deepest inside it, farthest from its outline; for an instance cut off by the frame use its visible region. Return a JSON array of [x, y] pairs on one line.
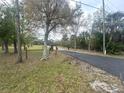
[[114, 25]]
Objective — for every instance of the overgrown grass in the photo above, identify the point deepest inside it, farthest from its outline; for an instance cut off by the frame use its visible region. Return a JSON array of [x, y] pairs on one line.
[[55, 75]]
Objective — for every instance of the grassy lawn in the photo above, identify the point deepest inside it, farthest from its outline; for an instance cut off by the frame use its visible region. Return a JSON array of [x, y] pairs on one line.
[[34, 76], [35, 48]]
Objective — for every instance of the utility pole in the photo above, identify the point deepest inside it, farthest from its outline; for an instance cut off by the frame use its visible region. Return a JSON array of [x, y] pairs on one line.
[[18, 31], [104, 47]]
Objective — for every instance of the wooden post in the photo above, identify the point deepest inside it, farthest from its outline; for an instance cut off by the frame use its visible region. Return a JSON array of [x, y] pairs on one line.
[[26, 53], [56, 51]]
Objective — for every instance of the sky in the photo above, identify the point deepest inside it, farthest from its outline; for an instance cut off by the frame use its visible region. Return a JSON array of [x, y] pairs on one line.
[[110, 5]]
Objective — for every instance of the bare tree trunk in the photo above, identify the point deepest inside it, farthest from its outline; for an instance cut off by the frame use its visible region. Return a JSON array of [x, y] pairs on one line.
[[2, 45], [15, 45], [19, 60], [46, 51], [89, 45], [110, 39], [75, 42], [24, 46], [6, 50]]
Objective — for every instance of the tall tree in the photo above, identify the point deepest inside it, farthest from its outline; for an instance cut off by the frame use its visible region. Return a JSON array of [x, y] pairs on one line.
[[76, 23], [48, 14], [87, 25], [7, 27], [18, 29], [115, 28]]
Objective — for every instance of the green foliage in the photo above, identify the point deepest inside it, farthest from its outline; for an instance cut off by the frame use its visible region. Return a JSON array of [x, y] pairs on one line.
[[112, 48], [115, 48], [82, 40], [98, 41], [7, 25], [114, 32]]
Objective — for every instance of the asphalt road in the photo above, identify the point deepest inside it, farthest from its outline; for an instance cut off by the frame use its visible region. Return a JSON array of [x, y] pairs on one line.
[[114, 66]]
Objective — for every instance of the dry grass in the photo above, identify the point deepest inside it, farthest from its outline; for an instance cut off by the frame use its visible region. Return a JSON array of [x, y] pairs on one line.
[[55, 75], [59, 74]]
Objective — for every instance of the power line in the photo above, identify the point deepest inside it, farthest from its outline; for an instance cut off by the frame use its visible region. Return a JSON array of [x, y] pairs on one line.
[[112, 4], [7, 3], [85, 4], [4, 3], [115, 8], [108, 8], [112, 7], [88, 5]]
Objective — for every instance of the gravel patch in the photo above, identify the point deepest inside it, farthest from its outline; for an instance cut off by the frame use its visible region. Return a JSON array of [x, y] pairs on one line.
[[99, 80]]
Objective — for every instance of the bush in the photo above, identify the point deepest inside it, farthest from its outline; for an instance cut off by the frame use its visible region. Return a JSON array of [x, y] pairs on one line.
[[115, 48]]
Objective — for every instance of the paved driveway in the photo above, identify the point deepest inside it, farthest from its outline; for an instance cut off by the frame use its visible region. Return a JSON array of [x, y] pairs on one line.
[[111, 65]]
